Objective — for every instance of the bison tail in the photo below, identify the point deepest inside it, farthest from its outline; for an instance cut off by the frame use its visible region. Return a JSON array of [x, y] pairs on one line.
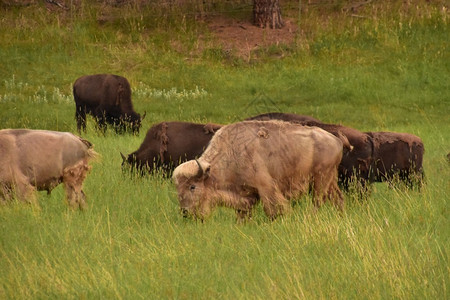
[[92, 155], [345, 142], [86, 142]]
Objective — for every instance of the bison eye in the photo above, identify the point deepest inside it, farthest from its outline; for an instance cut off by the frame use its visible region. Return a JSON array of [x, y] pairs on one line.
[[192, 188]]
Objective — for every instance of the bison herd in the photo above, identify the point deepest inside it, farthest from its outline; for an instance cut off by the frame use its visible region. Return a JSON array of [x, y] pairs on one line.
[[269, 158]]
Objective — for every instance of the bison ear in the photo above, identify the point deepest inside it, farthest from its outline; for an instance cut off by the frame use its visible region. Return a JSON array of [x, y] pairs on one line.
[[207, 171], [203, 169]]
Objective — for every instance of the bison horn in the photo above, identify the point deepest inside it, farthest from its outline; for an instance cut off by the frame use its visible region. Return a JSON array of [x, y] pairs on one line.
[[191, 169], [143, 116], [123, 157], [200, 169]]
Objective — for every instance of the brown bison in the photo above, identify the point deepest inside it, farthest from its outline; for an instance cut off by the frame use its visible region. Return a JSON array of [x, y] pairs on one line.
[[397, 155], [284, 117], [40, 160], [267, 161], [167, 144], [108, 99]]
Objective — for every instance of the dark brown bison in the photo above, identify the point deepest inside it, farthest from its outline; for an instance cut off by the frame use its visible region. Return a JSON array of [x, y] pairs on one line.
[[108, 99], [167, 144], [267, 161], [397, 155], [40, 160], [284, 117]]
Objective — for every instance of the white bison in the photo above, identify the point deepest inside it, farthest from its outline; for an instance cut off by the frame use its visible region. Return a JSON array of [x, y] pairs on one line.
[[40, 160], [267, 161]]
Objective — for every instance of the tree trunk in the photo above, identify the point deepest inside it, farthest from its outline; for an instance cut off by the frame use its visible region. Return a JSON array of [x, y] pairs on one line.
[[267, 13]]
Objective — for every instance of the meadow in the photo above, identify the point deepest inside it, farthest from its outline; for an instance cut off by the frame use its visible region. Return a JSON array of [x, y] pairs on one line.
[[387, 71]]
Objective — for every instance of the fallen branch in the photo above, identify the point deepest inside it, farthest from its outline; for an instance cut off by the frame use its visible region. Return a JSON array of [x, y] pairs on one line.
[[353, 6], [57, 4]]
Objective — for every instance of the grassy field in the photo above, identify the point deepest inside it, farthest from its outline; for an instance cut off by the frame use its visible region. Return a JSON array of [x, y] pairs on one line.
[[389, 71]]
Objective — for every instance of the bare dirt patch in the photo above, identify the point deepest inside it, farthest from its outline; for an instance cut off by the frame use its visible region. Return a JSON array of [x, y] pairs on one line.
[[242, 38]]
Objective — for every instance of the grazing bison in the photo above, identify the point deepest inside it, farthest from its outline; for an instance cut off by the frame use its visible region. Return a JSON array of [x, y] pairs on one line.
[[168, 144], [108, 99], [40, 160], [284, 117], [397, 154], [267, 161]]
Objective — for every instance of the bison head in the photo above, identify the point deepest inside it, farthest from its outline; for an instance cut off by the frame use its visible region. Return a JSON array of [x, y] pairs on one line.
[[131, 163], [135, 122], [189, 179], [130, 121], [128, 161], [356, 164]]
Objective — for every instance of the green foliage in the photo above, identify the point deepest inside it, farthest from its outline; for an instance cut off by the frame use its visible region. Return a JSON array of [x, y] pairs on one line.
[[387, 71]]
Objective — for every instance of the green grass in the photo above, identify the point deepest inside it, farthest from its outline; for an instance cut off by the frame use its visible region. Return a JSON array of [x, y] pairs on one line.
[[386, 72]]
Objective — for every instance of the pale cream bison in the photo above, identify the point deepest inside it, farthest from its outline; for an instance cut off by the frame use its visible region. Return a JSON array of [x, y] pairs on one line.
[[40, 160], [267, 161]]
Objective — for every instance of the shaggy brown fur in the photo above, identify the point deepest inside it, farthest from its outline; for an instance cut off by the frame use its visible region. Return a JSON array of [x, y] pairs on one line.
[[167, 144], [107, 98], [397, 154]]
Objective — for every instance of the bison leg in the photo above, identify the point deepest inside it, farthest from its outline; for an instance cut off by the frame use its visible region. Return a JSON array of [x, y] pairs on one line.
[[101, 119], [413, 178], [73, 178], [5, 193], [274, 203], [318, 191], [25, 192], [80, 116], [242, 215], [325, 186], [334, 193], [420, 179], [101, 124], [18, 188], [244, 212], [336, 196], [82, 200]]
